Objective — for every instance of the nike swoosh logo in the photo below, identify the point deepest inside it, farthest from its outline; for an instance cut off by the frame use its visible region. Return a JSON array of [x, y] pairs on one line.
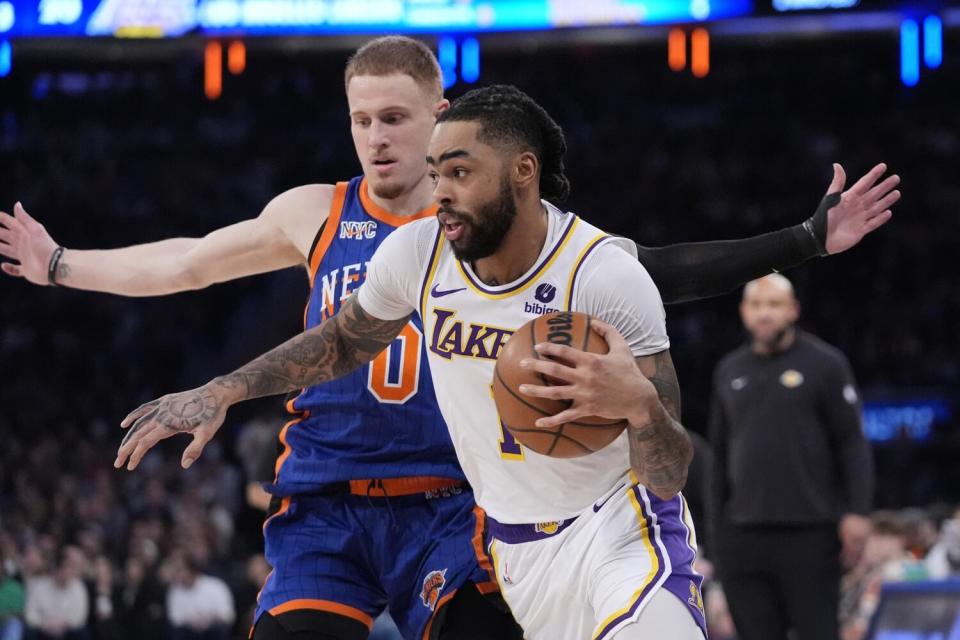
[[599, 505], [436, 293]]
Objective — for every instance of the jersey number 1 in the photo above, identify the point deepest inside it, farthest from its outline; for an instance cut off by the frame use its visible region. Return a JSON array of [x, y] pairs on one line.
[[407, 347], [510, 449]]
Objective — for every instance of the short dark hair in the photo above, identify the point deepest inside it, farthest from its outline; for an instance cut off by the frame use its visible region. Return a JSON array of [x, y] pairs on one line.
[[509, 117], [396, 54]]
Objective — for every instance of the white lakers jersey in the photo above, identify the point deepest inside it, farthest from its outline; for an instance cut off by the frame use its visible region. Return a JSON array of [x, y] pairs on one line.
[[466, 323]]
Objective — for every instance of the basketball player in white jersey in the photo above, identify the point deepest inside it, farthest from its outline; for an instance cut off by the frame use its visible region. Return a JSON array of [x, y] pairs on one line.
[[600, 546]]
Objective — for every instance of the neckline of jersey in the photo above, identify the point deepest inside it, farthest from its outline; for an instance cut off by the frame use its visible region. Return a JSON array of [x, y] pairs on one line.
[[393, 219], [548, 254]]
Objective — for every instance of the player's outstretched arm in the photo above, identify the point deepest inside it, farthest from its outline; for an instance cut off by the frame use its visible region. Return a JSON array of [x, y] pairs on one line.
[[259, 245], [691, 271], [642, 390], [346, 341]]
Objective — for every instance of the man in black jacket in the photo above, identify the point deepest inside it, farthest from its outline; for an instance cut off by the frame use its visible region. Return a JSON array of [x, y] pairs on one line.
[[793, 475]]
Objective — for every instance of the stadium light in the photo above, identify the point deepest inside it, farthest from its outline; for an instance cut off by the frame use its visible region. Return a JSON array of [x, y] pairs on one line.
[[909, 52], [932, 41]]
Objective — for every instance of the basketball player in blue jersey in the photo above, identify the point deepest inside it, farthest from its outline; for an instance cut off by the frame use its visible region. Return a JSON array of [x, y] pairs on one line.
[[374, 449], [567, 571]]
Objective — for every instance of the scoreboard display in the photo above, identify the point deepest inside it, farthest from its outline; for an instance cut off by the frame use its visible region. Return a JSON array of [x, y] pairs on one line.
[[171, 18], [166, 18]]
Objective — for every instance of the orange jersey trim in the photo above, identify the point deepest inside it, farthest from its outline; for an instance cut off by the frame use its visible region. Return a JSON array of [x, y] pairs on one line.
[[478, 548], [440, 604], [381, 214], [284, 507], [324, 605], [330, 228], [400, 486], [287, 449]]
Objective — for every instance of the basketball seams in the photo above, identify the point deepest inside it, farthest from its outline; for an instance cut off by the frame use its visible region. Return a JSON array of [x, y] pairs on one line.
[[517, 397], [533, 344], [528, 409], [557, 434], [556, 440]]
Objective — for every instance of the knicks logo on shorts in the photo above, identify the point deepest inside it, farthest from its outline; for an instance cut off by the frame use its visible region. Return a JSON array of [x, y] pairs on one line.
[[358, 229], [432, 586]]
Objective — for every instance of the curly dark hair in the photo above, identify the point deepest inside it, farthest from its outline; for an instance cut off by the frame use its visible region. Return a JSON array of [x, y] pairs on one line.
[[509, 117]]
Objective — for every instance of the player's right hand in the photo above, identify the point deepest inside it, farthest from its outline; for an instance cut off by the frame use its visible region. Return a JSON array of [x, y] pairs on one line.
[[25, 240], [199, 412]]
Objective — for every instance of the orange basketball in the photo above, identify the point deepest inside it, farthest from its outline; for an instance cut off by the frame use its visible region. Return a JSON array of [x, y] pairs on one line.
[[518, 412]]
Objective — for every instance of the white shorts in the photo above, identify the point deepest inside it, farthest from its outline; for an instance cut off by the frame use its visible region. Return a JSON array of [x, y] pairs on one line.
[[592, 575]]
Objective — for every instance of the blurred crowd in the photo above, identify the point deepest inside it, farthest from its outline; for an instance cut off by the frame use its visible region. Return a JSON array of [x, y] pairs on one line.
[[88, 552], [110, 154], [913, 544]]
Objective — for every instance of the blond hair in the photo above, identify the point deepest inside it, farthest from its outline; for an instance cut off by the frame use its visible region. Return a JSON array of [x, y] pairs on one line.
[[391, 55]]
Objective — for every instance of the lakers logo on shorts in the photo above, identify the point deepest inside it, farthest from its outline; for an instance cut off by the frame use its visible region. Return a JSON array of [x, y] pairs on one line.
[[549, 528], [695, 599], [791, 378], [432, 586]]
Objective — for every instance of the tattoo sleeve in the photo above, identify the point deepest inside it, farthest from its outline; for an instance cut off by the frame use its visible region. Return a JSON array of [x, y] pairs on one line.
[[346, 341], [660, 451]]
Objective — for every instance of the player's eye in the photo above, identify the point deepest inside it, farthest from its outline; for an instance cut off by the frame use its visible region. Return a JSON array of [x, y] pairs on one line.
[[460, 172], [433, 177], [363, 122], [393, 119]]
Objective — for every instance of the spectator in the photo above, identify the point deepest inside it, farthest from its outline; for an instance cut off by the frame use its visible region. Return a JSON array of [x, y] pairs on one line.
[[199, 607], [141, 602], [885, 558], [11, 605], [943, 561], [57, 605]]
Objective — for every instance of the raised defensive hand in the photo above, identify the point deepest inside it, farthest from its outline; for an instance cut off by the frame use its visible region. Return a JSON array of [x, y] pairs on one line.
[[25, 240], [199, 412], [863, 208]]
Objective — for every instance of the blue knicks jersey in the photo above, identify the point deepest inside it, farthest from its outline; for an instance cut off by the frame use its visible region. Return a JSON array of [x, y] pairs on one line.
[[382, 420]]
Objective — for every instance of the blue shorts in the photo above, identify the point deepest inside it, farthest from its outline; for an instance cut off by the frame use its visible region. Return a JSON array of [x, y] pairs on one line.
[[355, 556]]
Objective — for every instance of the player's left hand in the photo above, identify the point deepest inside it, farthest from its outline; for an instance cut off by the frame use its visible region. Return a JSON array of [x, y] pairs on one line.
[[862, 208], [608, 385], [199, 412]]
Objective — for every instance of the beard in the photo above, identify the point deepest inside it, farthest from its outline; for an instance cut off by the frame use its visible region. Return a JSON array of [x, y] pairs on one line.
[[388, 189], [486, 230]]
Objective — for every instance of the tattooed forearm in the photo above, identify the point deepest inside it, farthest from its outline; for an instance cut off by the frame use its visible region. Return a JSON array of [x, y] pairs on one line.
[[660, 451], [338, 346]]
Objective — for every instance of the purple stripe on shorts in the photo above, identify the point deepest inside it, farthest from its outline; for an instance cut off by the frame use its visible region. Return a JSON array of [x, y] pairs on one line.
[[651, 532], [518, 533]]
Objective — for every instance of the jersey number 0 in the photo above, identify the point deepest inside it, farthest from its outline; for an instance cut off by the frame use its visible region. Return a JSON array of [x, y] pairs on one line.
[[403, 357]]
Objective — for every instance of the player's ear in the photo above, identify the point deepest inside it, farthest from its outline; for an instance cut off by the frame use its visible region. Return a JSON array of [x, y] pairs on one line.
[[526, 169], [440, 107]]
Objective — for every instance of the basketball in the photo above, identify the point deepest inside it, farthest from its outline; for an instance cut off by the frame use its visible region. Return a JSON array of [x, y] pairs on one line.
[[519, 412]]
